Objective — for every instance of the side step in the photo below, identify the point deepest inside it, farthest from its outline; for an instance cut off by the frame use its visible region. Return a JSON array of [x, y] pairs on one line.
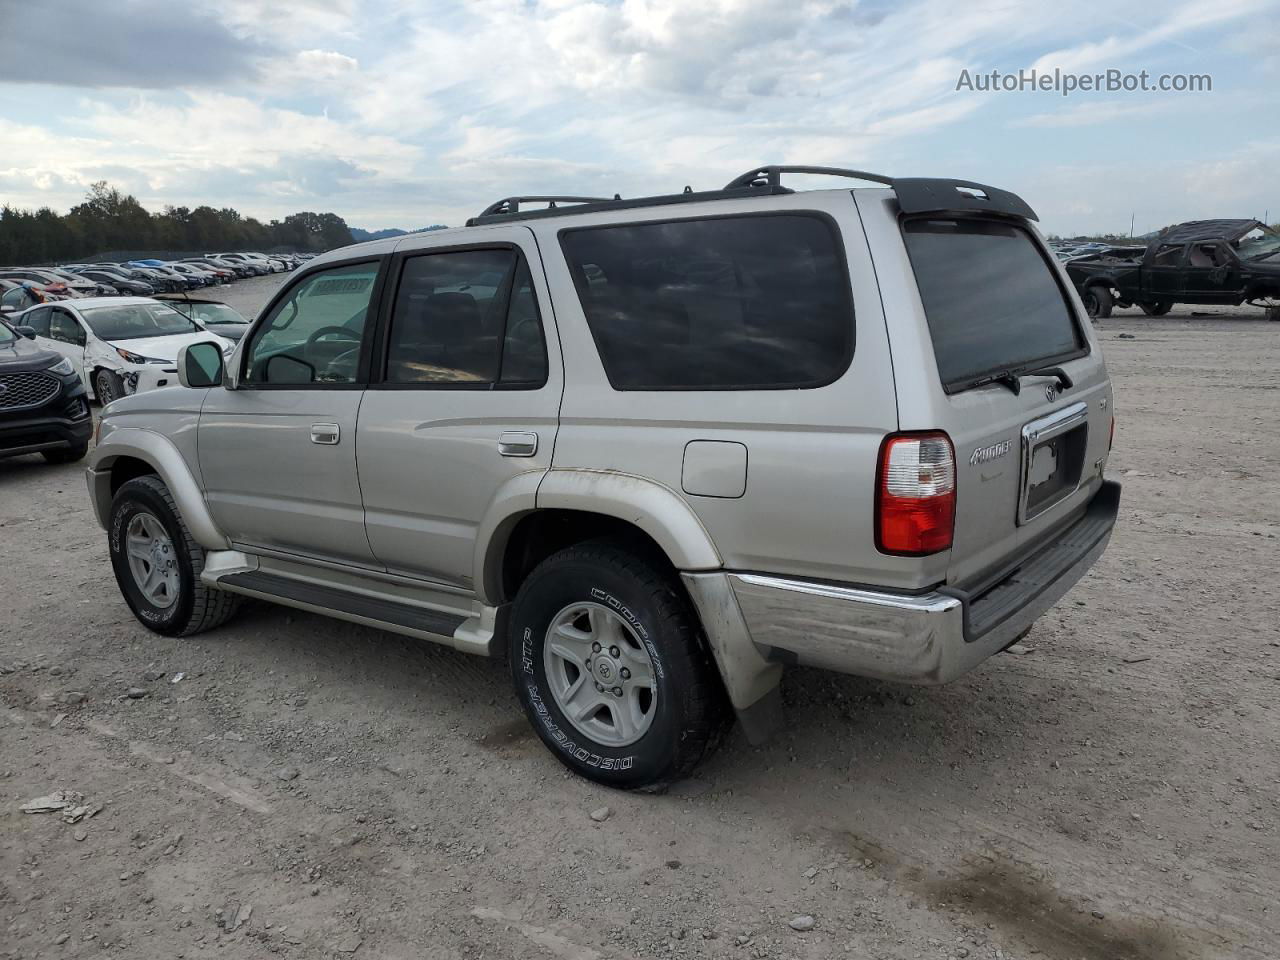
[[358, 608]]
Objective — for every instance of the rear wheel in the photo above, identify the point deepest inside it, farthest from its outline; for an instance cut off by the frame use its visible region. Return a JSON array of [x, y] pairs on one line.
[[1097, 301], [1157, 309], [157, 564], [610, 666]]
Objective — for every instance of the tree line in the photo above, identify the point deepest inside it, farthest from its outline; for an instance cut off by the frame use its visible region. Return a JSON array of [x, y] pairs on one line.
[[111, 220]]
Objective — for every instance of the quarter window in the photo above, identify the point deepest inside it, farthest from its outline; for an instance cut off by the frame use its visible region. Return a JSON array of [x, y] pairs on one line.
[[315, 334], [732, 303], [466, 318]]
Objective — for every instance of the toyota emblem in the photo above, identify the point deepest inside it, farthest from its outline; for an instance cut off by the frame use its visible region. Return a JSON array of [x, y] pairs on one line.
[[1051, 393]]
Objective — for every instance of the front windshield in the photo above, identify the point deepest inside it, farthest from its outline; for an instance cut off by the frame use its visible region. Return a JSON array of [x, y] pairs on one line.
[[6, 335], [134, 320], [1259, 243]]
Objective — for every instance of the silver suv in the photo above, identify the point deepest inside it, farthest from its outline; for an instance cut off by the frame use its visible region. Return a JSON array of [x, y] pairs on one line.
[[652, 450]]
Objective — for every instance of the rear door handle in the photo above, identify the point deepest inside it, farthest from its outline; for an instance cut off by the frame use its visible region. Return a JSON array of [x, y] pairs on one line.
[[518, 444], [326, 433]]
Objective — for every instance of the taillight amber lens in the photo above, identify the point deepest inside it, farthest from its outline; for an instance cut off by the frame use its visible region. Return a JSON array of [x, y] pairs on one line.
[[916, 494]]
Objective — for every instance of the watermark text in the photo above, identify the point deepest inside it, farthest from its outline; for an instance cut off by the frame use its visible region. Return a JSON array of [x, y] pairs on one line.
[[1065, 83]]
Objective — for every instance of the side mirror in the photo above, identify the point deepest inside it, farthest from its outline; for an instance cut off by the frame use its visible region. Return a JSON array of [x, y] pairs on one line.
[[200, 365], [28, 332]]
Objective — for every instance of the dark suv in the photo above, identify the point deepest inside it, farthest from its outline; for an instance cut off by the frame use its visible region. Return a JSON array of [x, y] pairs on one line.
[[43, 405]]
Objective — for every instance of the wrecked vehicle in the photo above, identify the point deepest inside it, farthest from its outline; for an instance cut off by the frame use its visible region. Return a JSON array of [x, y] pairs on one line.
[[1226, 262]]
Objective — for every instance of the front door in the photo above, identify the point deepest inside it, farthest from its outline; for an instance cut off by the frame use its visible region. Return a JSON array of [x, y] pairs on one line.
[[467, 404], [68, 337], [278, 452], [1212, 274]]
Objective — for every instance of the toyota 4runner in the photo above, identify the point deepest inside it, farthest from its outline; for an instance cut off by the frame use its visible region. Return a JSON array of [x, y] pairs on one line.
[[652, 450]]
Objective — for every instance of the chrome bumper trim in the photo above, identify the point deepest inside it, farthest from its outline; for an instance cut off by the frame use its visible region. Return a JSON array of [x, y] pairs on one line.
[[906, 638]]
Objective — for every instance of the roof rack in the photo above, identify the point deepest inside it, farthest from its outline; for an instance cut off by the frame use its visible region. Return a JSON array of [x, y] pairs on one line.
[[509, 205], [771, 176], [500, 213], [914, 194]]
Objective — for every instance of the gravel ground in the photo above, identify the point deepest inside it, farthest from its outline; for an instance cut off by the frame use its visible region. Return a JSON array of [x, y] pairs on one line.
[[296, 785]]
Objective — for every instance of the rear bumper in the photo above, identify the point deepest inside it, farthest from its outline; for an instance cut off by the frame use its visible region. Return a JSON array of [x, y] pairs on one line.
[[926, 638]]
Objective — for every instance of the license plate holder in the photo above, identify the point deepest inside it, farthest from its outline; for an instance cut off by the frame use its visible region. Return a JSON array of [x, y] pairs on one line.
[[1053, 456]]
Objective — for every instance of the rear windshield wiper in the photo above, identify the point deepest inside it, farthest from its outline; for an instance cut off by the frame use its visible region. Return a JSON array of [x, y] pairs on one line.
[[1013, 378], [1064, 378]]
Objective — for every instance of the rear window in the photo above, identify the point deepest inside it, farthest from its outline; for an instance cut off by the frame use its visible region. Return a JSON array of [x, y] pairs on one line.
[[992, 302], [732, 303]]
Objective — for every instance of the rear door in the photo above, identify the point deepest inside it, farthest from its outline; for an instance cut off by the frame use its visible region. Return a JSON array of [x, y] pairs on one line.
[[464, 404], [1028, 449]]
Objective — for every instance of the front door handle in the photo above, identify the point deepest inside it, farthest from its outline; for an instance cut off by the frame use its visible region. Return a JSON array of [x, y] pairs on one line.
[[518, 444], [325, 433]]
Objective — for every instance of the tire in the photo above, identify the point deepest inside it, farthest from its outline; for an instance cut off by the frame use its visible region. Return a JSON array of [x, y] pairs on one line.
[[1157, 309], [194, 607], [1097, 301], [649, 620], [107, 386], [1273, 314], [66, 454]]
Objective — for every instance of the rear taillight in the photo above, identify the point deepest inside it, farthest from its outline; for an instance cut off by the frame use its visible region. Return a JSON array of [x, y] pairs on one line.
[[915, 494]]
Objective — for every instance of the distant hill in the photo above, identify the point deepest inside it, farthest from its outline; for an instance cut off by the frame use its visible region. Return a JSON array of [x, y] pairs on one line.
[[360, 236]]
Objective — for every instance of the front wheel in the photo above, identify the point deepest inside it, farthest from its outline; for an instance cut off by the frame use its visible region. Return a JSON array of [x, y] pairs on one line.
[[67, 454], [107, 386], [157, 564], [611, 668], [1097, 302]]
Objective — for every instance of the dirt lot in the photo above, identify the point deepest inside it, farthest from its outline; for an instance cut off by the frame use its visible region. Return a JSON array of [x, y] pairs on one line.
[[316, 789]]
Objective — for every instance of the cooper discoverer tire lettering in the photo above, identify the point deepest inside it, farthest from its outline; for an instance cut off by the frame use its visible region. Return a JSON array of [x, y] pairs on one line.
[[609, 663]]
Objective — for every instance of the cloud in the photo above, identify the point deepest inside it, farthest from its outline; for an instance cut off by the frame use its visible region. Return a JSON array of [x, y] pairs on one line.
[[310, 68], [1095, 113], [395, 112], [121, 44]]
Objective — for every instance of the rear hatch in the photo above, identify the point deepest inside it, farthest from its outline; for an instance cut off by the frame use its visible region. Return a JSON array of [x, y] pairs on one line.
[[1024, 393]]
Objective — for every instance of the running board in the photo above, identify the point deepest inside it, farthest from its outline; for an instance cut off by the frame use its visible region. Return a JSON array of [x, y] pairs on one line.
[[468, 634]]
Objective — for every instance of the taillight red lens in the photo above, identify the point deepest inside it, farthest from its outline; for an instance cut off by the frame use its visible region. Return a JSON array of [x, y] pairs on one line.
[[916, 494]]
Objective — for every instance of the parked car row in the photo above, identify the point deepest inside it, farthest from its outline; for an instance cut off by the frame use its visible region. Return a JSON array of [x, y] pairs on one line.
[[137, 278]]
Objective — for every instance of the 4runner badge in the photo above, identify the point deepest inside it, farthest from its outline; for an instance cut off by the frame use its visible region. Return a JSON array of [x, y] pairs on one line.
[[987, 454]]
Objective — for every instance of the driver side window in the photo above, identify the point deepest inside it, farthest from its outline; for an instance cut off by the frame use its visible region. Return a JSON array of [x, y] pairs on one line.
[[315, 334]]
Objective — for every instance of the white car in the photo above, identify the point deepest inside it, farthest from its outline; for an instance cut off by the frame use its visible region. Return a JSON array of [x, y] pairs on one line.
[[118, 345]]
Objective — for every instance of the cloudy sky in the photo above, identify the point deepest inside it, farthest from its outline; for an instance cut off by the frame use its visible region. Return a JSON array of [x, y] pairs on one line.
[[398, 113]]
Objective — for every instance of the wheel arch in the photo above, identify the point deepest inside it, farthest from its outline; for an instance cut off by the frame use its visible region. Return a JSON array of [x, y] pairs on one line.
[[568, 506], [130, 452]]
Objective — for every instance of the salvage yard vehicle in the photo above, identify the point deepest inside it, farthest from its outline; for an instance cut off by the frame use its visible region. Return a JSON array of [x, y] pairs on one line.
[[1226, 262], [653, 450], [117, 345], [43, 406]]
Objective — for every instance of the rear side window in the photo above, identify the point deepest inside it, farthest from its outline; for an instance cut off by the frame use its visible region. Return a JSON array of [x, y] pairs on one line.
[[992, 302], [467, 318], [732, 303]]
